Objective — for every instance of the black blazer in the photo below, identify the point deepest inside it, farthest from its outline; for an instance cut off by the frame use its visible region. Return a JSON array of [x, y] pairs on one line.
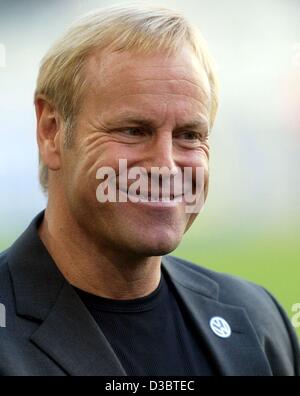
[[50, 332]]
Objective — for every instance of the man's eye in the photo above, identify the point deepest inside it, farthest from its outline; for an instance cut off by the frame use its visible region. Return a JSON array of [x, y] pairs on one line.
[[189, 136], [133, 132]]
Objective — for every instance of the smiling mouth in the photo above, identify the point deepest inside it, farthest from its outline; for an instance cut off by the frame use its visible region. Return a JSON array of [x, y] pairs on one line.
[[146, 196]]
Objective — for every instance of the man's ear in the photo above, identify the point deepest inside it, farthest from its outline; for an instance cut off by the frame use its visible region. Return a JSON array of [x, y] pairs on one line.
[[49, 132]]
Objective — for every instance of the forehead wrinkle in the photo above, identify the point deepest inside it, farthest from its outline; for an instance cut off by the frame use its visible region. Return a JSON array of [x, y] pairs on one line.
[[126, 116], [112, 94], [137, 108], [203, 91], [204, 107], [169, 79]]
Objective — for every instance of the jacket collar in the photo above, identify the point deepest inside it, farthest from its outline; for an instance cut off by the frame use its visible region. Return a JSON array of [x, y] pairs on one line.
[[69, 334], [241, 353]]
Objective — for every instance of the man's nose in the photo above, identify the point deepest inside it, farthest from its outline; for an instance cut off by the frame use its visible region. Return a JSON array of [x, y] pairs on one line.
[[161, 154]]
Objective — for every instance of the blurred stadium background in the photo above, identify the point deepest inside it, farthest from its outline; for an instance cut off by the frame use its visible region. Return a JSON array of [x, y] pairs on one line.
[[250, 224]]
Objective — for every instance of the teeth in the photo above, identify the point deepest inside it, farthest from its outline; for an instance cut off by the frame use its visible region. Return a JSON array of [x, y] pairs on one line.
[[147, 197]]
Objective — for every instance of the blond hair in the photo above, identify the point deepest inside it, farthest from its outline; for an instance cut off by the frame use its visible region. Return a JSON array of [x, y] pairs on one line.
[[141, 27]]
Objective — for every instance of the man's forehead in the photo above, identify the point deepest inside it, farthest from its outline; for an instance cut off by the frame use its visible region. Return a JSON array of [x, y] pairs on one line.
[[119, 67]]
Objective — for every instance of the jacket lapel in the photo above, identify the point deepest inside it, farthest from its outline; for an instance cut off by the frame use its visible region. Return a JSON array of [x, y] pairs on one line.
[[73, 339], [67, 333], [240, 354]]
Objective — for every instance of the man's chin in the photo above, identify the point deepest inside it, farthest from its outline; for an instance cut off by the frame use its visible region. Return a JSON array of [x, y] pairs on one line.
[[160, 247]]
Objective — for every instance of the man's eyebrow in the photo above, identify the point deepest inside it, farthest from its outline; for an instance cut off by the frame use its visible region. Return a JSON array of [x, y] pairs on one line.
[[137, 120], [198, 123], [195, 124]]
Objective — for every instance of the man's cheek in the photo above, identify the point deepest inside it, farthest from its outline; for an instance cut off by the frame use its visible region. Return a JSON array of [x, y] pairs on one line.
[[83, 184]]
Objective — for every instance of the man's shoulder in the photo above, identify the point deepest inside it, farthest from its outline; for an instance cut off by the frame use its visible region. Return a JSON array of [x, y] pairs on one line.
[[268, 319], [3, 256], [260, 305], [230, 287]]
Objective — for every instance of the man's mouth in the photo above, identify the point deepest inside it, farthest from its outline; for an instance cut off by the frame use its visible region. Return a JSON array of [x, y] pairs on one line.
[[151, 196]]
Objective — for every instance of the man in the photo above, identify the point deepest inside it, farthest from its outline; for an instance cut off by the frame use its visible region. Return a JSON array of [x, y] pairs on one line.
[[89, 288]]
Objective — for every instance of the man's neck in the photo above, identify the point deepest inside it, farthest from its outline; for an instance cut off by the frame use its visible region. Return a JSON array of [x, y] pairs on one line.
[[87, 266]]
